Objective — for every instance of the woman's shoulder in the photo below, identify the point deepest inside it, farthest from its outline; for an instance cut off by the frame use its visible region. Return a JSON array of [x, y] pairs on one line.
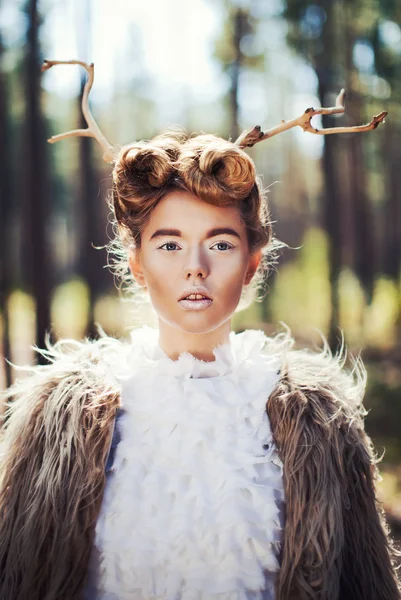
[[54, 441], [330, 471], [76, 371], [67, 356], [340, 377]]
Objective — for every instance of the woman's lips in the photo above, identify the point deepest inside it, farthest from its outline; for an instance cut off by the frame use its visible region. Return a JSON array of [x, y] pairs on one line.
[[195, 304]]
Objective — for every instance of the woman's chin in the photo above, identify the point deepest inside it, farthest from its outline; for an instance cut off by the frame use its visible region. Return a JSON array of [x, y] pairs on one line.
[[196, 322]]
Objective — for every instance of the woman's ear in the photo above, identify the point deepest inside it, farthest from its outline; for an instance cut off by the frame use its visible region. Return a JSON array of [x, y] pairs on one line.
[[135, 267], [253, 264]]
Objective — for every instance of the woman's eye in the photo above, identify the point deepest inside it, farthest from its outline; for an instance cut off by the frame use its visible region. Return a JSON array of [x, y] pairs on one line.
[[226, 245], [172, 246], [168, 246]]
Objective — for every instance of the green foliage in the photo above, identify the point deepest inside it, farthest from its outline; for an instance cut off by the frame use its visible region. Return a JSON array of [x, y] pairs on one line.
[[70, 309], [301, 294]]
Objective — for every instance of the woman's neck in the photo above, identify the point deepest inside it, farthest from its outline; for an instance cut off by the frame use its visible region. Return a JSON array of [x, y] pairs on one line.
[[174, 341]]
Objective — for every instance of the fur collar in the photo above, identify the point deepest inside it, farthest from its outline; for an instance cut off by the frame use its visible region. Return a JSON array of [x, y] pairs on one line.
[[57, 433]]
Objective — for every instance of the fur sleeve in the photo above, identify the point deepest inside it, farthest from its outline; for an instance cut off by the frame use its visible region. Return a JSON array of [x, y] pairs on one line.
[[55, 439], [336, 544]]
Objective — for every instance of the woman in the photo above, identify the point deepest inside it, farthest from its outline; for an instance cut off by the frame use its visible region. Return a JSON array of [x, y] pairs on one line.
[[193, 463]]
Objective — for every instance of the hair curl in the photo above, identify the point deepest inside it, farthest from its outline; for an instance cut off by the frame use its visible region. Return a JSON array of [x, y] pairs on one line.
[[214, 169]]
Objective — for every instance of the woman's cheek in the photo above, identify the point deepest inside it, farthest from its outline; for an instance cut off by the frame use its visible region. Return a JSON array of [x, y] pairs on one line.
[[155, 265]]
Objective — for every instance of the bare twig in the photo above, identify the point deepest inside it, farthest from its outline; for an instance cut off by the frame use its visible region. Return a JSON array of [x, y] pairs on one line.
[[93, 129], [253, 136]]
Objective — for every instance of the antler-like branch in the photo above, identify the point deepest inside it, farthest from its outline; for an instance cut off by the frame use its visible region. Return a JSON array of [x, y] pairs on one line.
[[93, 129], [255, 135]]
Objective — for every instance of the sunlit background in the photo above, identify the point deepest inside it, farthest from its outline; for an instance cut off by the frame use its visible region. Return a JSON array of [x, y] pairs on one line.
[[219, 67]]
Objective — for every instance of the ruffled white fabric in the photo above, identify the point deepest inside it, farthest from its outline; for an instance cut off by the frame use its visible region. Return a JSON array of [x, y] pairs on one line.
[[191, 508]]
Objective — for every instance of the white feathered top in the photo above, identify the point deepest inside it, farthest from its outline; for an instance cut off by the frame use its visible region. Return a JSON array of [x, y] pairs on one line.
[[193, 506]]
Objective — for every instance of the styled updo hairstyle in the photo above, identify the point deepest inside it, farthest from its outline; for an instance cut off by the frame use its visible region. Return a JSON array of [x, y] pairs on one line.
[[214, 169]]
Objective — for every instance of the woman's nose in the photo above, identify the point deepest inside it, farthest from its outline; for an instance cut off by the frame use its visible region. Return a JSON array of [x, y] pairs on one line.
[[196, 265]]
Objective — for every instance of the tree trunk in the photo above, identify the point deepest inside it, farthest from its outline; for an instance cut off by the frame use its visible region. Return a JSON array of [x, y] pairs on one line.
[[331, 213], [238, 28], [35, 251], [6, 201], [364, 243], [90, 205], [392, 210], [89, 209], [332, 197]]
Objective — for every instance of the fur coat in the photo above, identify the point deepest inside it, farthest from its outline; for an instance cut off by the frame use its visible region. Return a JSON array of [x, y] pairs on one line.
[[56, 438]]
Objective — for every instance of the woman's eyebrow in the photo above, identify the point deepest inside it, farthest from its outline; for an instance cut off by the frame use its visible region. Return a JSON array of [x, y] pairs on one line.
[[211, 233]]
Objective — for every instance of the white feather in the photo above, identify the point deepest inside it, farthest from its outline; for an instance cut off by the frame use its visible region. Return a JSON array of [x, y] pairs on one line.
[[190, 510]]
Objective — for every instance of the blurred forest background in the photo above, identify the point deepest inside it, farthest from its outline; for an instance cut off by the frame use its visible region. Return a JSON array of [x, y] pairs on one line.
[[213, 66]]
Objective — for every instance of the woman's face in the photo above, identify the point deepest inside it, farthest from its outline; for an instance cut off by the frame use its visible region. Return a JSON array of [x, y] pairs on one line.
[[189, 246]]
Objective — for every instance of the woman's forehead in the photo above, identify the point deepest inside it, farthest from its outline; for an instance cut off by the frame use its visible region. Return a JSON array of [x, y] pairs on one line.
[[184, 211]]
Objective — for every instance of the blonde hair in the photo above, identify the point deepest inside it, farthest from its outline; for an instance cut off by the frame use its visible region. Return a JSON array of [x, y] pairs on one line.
[[214, 169]]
